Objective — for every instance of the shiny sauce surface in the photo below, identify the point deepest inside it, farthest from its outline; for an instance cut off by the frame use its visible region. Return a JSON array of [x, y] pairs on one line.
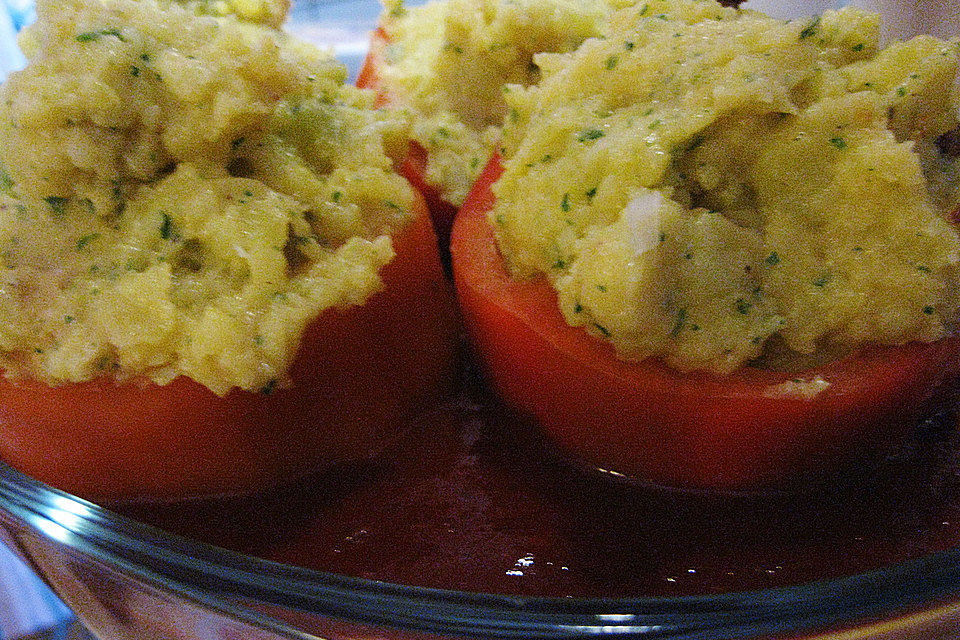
[[466, 501]]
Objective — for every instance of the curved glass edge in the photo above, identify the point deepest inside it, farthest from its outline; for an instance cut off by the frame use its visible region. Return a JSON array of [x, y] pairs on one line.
[[197, 571]]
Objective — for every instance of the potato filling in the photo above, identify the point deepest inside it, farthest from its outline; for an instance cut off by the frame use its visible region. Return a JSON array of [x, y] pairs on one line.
[[181, 194], [706, 185]]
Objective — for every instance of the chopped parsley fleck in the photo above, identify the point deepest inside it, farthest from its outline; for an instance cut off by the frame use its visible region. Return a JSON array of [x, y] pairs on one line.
[[810, 29], [839, 143], [337, 195], [628, 45], [392, 205], [135, 71], [67, 319], [681, 321], [901, 91], [602, 288], [928, 310], [269, 387], [58, 205], [611, 62], [592, 192], [590, 134], [500, 219], [578, 308], [91, 36], [166, 226], [87, 239], [923, 268], [743, 306], [602, 329], [858, 46], [773, 259], [565, 204], [663, 237], [821, 281], [236, 143]]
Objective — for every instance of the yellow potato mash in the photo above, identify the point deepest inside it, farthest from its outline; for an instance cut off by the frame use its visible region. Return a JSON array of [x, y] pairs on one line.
[[182, 194], [704, 184], [448, 62], [269, 12]]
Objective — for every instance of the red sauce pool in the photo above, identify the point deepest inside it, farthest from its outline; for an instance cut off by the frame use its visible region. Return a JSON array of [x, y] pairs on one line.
[[464, 503]]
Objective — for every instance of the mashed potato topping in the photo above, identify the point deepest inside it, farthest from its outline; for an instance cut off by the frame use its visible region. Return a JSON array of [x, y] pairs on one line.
[[449, 61], [270, 12], [702, 183], [183, 194]]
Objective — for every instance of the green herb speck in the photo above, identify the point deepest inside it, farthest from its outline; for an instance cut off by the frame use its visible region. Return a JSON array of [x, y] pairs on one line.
[[269, 387], [590, 134], [810, 29], [166, 226], [85, 240], [681, 321], [58, 205]]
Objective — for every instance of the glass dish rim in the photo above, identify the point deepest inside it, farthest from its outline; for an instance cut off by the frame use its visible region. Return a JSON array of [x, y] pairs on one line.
[[186, 568]]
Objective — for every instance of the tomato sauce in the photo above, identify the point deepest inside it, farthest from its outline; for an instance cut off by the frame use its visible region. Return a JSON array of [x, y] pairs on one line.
[[464, 502]]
